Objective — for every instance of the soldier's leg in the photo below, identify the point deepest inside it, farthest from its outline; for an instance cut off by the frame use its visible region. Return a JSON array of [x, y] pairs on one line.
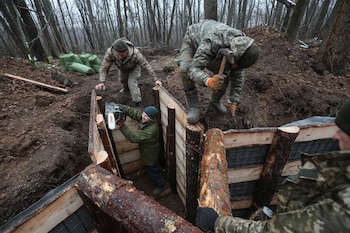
[[185, 59], [123, 78], [133, 85], [216, 97]]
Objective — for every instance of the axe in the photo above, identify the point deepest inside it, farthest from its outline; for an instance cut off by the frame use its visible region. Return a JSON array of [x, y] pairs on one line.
[[227, 55]]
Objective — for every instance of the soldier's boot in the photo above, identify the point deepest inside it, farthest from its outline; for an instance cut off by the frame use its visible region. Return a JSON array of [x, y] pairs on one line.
[[215, 101], [193, 106]]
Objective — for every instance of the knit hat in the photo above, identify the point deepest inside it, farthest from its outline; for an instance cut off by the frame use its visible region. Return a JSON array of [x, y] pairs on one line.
[[151, 111], [250, 56], [342, 119], [120, 46]]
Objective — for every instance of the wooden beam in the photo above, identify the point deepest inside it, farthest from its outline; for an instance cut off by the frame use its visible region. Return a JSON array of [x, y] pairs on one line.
[[136, 211], [276, 159], [36, 82], [193, 153], [170, 148], [214, 191], [102, 129]]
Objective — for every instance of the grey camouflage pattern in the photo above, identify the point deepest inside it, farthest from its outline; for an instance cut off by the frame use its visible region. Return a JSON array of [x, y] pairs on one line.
[[316, 200], [199, 50], [134, 59]]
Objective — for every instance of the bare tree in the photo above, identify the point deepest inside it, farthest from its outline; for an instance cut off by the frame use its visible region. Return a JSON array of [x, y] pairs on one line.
[[210, 9], [334, 50], [294, 22]]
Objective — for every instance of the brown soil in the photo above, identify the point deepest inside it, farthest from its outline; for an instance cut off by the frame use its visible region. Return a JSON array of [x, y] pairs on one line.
[[44, 133]]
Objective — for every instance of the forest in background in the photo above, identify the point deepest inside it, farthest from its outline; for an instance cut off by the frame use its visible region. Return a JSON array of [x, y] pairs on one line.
[[40, 29]]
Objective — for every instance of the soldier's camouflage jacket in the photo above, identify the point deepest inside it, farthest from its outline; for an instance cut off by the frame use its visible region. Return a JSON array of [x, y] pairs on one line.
[[316, 200], [200, 47], [134, 59]]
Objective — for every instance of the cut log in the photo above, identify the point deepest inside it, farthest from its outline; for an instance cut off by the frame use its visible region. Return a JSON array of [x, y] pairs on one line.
[[36, 82], [123, 202], [107, 144], [273, 167], [214, 190]]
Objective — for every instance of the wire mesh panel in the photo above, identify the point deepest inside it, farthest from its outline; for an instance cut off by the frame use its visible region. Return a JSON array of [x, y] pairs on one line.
[[246, 156], [78, 222], [313, 147]]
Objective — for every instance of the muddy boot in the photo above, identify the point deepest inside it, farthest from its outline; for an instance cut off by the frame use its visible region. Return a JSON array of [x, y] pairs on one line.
[[193, 106], [215, 102]]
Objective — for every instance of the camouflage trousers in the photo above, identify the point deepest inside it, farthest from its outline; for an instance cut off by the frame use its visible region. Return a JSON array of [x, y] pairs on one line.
[[130, 81]]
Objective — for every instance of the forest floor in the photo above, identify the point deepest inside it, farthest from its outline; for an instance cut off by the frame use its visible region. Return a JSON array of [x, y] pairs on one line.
[[44, 133]]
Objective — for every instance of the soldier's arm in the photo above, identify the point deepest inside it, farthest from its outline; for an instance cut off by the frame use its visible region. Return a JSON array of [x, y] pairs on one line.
[[200, 60], [106, 64]]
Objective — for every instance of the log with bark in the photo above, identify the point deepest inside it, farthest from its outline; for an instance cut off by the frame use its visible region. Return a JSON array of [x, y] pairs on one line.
[[136, 211], [214, 190]]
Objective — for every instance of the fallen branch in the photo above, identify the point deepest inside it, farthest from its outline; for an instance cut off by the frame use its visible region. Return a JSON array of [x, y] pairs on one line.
[[35, 82]]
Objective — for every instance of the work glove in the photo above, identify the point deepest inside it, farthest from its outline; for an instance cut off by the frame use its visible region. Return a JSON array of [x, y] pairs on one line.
[[216, 82], [205, 218], [100, 86], [233, 108]]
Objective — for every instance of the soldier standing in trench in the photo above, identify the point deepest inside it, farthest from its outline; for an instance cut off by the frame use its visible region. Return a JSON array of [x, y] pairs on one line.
[[315, 200], [129, 61], [200, 49]]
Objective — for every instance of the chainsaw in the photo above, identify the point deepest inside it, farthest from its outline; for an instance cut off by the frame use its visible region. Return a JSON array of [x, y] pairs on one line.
[[114, 114]]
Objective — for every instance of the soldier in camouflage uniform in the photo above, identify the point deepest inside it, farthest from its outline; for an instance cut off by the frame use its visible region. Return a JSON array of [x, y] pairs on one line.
[[200, 50], [129, 61], [317, 199]]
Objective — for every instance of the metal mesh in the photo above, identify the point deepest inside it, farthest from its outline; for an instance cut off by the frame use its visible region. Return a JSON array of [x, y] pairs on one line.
[[313, 147], [78, 222], [246, 156]]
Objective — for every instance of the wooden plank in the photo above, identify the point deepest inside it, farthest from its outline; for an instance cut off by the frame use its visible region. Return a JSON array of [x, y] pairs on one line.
[[55, 213], [126, 146], [251, 137], [253, 173], [36, 83], [133, 166], [316, 132], [129, 156], [246, 203]]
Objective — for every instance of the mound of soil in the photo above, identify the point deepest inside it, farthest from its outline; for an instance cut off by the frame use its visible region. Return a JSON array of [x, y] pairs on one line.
[[44, 133]]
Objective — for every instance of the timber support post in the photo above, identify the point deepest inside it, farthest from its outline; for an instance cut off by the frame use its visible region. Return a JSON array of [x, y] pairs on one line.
[[170, 148], [214, 190], [276, 159], [193, 153]]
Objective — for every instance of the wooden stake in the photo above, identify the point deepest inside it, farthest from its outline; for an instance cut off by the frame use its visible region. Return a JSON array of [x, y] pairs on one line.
[[170, 148], [37, 83]]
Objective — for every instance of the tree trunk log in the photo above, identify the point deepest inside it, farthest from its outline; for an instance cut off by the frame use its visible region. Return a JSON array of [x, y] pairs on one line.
[[214, 190], [123, 202], [273, 167]]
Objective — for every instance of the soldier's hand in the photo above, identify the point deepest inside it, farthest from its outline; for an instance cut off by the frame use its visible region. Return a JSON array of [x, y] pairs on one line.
[[205, 218], [158, 83], [100, 86], [216, 82], [233, 108]]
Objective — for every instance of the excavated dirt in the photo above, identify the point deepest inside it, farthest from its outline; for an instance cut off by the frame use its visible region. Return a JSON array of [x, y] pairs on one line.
[[44, 133]]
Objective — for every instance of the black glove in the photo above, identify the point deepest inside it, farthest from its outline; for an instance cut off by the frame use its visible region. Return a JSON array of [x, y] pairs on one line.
[[205, 219], [119, 115]]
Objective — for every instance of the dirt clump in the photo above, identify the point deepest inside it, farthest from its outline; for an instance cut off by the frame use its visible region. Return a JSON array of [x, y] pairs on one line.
[[44, 133]]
